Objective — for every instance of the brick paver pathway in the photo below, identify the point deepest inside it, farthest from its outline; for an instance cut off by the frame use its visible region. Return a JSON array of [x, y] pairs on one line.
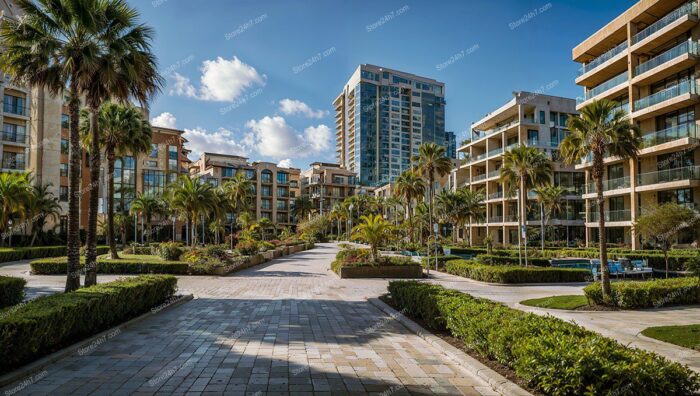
[[287, 327]]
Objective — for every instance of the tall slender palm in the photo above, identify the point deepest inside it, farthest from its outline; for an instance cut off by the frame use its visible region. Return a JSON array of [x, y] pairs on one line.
[[264, 224], [239, 193], [191, 198], [473, 206], [432, 162], [525, 167], [551, 200], [409, 186], [302, 207], [602, 128], [54, 46], [123, 130], [146, 206], [125, 70], [15, 190], [41, 204]]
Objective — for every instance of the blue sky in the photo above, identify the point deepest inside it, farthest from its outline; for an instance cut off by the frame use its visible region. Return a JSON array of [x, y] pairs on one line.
[[258, 77]]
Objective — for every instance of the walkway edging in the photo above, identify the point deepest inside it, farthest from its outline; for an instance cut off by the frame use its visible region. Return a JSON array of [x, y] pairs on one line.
[[498, 382], [35, 367]]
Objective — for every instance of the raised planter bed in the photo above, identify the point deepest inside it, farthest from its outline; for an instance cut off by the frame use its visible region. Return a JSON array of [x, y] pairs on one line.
[[384, 271]]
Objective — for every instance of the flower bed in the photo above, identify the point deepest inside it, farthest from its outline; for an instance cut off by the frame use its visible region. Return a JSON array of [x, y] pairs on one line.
[[647, 294], [515, 274], [552, 356], [357, 263], [49, 323], [11, 290]]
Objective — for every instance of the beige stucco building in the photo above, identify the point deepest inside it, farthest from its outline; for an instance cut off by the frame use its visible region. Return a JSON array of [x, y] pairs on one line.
[[327, 184], [530, 119], [646, 60]]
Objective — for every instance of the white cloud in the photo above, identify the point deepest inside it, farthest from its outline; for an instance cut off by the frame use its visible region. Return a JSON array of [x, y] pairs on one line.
[[286, 163], [273, 137], [293, 106], [222, 80], [165, 120], [222, 141]]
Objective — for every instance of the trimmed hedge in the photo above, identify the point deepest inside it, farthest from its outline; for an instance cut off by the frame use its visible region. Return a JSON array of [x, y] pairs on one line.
[[50, 323], [515, 274], [58, 265], [552, 356], [647, 294], [425, 261], [11, 290], [26, 253], [510, 260]]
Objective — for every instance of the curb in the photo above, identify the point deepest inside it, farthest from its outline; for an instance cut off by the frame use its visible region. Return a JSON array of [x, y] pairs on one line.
[[31, 369], [498, 382]]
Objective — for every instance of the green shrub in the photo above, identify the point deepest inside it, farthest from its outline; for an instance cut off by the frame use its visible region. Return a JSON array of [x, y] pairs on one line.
[[49, 323], [460, 250], [360, 257], [11, 290], [247, 247], [26, 253], [58, 266], [430, 261], [647, 294], [493, 259], [170, 251], [552, 356], [515, 274]]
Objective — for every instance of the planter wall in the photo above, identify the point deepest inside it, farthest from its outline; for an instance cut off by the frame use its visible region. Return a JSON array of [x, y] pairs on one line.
[[261, 258], [386, 271]]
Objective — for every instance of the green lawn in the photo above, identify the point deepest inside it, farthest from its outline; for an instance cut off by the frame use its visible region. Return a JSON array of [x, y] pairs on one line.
[[557, 302], [686, 336]]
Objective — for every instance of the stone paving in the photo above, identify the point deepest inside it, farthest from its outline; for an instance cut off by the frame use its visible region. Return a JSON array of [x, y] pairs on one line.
[[286, 327]]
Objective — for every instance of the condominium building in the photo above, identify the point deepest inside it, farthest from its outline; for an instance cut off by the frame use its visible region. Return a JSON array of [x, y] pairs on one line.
[[382, 117], [646, 60], [275, 187], [327, 184], [529, 119]]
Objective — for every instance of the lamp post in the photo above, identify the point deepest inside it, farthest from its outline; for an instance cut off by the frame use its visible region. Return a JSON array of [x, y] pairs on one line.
[[350, 230]]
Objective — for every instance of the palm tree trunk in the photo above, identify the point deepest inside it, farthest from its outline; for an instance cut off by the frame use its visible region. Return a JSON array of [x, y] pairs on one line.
[[605, 273], [73, 239], [542, 225], [94, 188], [110, 205], [520, 220]]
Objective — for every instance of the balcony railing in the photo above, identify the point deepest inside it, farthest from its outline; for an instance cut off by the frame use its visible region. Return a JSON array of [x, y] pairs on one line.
[[14, 137], [496, 219], [611, 215], [482, 134], [479, 157], [689, 8], [611, 184], [686, 47], [495, 173], [603, 58], [478, 177], [669, 93], [669, 175], [512, 146], [612, 83], [496, 195], [681, 131], [495, 152], [15, 109]]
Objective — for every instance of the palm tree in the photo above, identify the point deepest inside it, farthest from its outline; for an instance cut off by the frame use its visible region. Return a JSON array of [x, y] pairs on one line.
[[123, 130], [146, 206], [191, 198], [302, 207], [15, 192], [264, 224], [41, 204], [125, 69], [373, 230], [551, 199], [409, 186], [473, 206], [239, 193], [602, 128], [525, 167], [53, 46], [121, 222]]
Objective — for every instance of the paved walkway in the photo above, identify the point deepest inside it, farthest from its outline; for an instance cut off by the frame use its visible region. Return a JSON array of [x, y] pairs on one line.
[[286, 327]]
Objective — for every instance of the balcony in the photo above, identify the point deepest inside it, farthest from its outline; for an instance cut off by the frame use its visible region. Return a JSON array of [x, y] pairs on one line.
[[512, 146], [496, 195], [671, 25], [610, 185], [677, 132], [611, 215], [478, 178], [496, 219], [677, 96], [14, 137], [685, 173], [495, 152], [8, 108], [610, 88], [495, 173], [666, 64], [476, 135], [591, 72]]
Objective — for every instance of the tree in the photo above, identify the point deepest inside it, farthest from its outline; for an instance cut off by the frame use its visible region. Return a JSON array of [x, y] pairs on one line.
[[53, 46], [41, 204], [551, 199], [473, 206], [662, 223], [602, 129], [302, 207], [123, 130], [15, 191], [147, 206], [409, 186], [525, 167], [264, 224], [373, 230]]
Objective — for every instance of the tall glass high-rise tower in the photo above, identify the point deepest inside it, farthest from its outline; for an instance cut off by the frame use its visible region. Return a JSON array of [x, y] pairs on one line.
[[382, 117]]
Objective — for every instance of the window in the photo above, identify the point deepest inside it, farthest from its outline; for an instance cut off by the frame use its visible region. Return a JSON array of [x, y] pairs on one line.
[[282, 178], [282, 192], [542, 120], [683, 196], [154, 150], [153, 182], [124, 182], [675, 160], [152, 164], [281, 204], [14, 105], [64, 170], [282, 218], [228, 172], [12, 160], [615, 171], [14, 133], [266, 176], [172, 158], [63, 193], [266, 191], [533, 137], [65, 121], [250, 174], [265, 204], [64, 146]]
